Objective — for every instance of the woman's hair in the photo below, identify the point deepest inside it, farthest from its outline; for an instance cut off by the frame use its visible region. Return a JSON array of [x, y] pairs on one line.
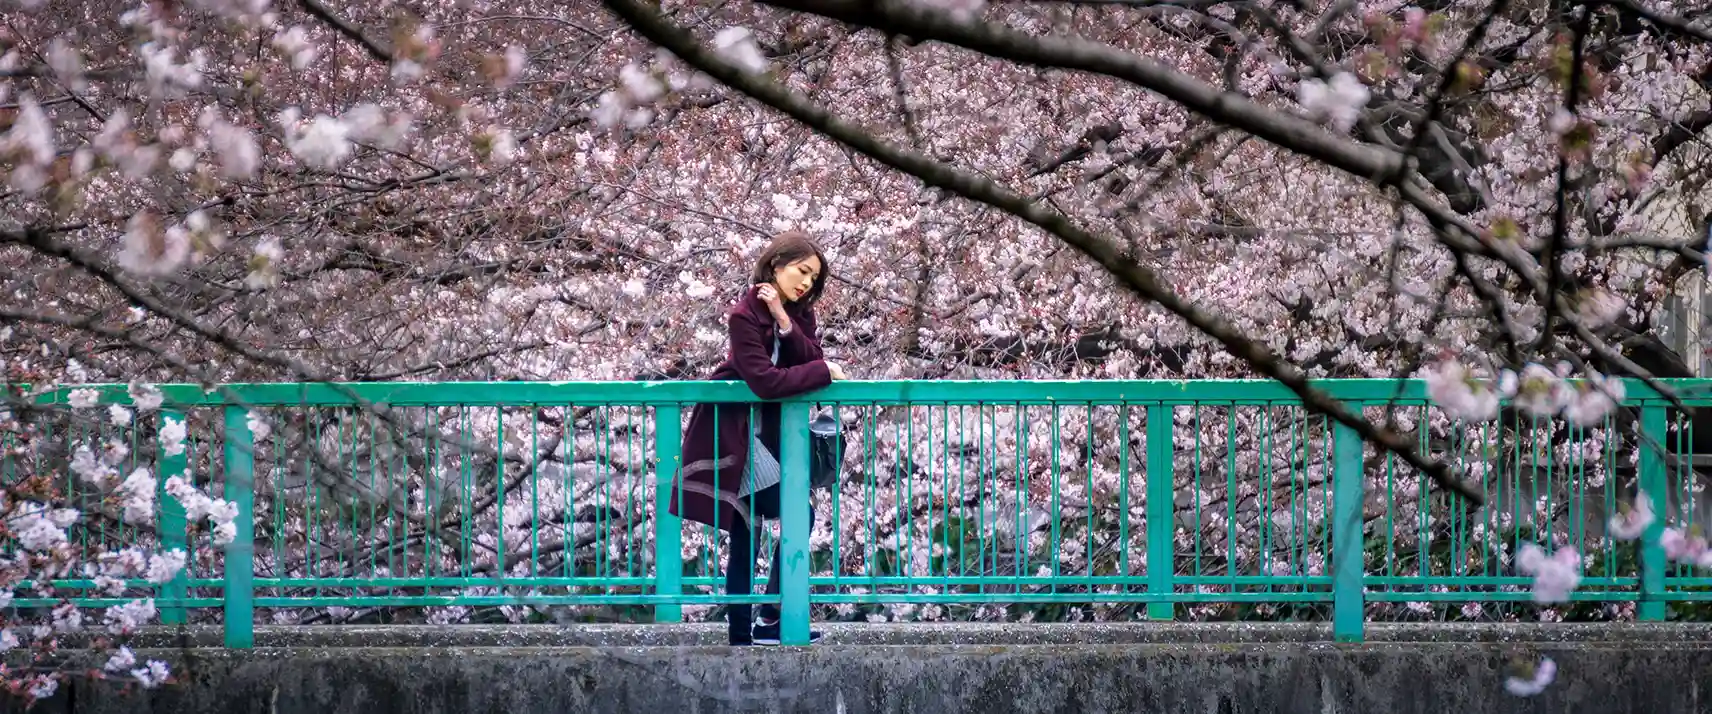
[[785, 249]]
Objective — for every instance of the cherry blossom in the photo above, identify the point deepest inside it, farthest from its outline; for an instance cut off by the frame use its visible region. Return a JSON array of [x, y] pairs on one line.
[[1460, 395], [1339, 101], [595, 221], [737, 45], [1632, 520], [1555, 576], [172, 434], [293, 42], [145, 397], [1531, 679]]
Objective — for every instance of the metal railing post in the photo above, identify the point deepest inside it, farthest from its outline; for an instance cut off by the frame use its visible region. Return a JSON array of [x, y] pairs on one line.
[[1654, 426], [1349, 605], [794, 523], [173, 535], [240, 553], [668, 529], [1161, 511]]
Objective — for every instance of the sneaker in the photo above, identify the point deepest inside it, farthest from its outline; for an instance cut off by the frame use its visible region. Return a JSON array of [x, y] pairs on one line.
[[767, 633]]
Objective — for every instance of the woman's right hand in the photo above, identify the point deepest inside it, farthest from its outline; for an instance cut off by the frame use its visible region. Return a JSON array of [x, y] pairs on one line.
[[836, 370]]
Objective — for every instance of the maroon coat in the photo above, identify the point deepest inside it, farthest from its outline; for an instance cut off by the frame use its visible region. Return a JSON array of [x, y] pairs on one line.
[[715, 459]]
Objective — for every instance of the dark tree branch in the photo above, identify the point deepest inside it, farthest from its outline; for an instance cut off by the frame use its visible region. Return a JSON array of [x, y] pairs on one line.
[[1138, 278]]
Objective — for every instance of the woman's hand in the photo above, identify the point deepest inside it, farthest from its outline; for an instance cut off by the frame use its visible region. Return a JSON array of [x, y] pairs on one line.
[[770, 296], [836, 370]]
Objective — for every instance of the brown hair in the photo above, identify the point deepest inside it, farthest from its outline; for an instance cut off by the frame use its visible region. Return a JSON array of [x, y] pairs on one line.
[[787, 248]]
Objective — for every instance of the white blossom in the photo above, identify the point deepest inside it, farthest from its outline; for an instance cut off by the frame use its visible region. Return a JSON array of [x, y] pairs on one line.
[[67, 64], [1683, 547], [151, 252], [1338, 102], [167, 79], [1538, 391], [609, 110], [1554, 576], [1598, 308], [125, 619], [154, 675], [369, 123], [137, 496], [182, 160], [515, 57], [293, 42], [35, 530], [1532, 680], [323, 143], [172, 434], [145, 397], [163, 567], [43, 687], [83, 398], [121, 660], [737, 46], [1631, 521], [1594, 399], [1461, 396], [406, 71], [30, 140], [641, 86], [264, 265], [240, 156]]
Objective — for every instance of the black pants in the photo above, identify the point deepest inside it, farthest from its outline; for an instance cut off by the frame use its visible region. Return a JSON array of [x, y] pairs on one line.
[[740, 564]]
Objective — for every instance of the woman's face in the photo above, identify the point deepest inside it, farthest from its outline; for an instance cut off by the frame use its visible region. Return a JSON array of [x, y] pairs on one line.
[[794, 280]]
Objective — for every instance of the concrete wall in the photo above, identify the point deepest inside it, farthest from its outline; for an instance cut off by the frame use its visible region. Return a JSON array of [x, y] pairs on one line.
[[969, 670]]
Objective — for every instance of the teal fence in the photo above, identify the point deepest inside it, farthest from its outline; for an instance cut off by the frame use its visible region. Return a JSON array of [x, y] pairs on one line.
[[955, 495]]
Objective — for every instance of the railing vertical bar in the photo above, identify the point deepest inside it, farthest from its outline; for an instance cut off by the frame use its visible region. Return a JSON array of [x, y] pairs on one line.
[[172, 521], [1161, 504], [1653, 483], [668, 528], [240, 608], [1348, 608], [793, 523]]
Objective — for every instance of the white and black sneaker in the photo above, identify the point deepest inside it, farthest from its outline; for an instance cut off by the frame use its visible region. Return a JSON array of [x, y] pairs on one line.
[[767, 634]]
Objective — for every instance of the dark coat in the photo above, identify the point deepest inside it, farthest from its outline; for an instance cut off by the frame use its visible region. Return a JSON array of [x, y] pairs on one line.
[[715, 458]]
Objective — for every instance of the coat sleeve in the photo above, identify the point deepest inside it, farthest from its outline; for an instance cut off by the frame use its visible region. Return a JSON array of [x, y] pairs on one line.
[[802, 344], [752, 355]]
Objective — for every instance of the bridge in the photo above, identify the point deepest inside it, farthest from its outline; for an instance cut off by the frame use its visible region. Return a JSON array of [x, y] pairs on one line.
[[1101, 503]]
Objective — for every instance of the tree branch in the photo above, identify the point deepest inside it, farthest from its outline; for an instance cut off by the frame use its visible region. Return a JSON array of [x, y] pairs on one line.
[[1138, 278]]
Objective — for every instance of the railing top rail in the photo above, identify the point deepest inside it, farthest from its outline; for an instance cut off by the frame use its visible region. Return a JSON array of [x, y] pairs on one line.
[[490, 394]]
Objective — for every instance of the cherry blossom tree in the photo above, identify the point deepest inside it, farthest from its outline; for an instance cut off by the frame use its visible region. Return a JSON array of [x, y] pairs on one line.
[[1496, 197]]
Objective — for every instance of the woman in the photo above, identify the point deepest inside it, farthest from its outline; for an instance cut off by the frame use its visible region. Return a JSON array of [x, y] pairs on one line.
[[730, 477]]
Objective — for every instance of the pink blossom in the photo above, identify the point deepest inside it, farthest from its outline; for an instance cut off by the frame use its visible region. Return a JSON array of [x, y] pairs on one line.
[[1463, 398], [1683, 547], [737, 46], [1631, 521], [145, 397], [1529, 680], [293, 42], [1554, 576], [1339, 102]]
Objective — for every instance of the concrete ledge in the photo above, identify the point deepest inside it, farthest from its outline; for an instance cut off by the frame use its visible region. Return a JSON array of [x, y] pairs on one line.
[[599, 635], [1596, 677]]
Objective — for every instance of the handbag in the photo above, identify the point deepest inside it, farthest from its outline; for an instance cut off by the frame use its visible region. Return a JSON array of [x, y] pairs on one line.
[[826, 442]]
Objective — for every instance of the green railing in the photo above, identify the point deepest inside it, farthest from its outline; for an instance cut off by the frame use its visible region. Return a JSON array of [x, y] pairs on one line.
[[955, 495]]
